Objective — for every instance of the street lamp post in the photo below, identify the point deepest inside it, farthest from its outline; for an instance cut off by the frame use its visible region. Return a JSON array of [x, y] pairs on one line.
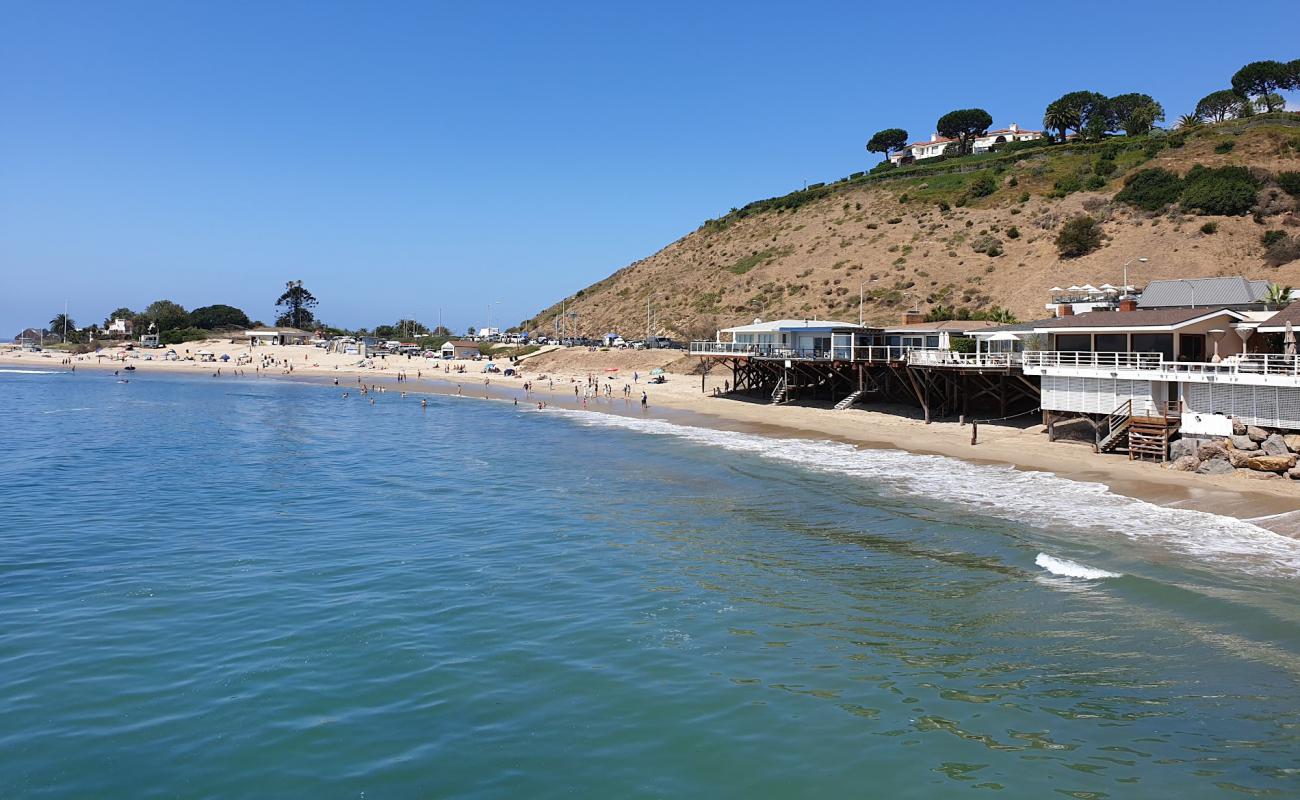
[[1140, 260]]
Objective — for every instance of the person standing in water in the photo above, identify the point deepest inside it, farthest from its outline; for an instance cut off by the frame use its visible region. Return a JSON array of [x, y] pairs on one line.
[[644, 400]]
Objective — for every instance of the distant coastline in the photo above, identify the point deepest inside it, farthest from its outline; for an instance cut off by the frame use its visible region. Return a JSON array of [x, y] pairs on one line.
[[680, 400]]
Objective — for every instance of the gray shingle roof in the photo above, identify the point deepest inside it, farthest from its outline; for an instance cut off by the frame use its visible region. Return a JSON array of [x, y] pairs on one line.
[[1132, 319], [1234, 291]]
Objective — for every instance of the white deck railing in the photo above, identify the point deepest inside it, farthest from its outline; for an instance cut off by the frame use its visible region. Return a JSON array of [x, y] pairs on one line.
[[836, 353], [1098, 361], [1250, 364], [949, 358]]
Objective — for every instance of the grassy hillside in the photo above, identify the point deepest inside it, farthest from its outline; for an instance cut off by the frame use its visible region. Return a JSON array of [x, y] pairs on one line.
[[975, 232]]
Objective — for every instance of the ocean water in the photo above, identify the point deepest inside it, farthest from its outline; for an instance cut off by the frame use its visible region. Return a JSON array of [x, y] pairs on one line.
[[242, 588]]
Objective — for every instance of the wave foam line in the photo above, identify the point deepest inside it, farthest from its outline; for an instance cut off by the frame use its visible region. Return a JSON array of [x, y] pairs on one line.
[[1041, 499], [29, 371]]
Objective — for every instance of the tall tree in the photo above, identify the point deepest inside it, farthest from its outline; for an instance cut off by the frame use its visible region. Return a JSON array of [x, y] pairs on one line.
[[218, 316], [1220, 105], [1134, 113], [964, 124], [1263, 79], [886, 141], [1079, 107], [62, 324], [1062, 120], [167, 315], [297, 303]]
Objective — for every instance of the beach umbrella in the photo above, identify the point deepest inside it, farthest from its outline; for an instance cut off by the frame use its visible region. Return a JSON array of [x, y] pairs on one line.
[[1288, 340], [657, 371], [1056, 290], [1106, 287], [1075, 289], [1087, 287]]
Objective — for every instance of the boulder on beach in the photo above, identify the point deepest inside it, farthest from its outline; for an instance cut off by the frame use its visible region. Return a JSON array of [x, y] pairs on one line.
[[1238, 458], [1242, 442], [1274, 446], [1271, 463], [1186, 463], [1181, 448], [1238, 427], [1254, 475], [1212, 450], [1256, 434], [1292, 442], [1293, 473], [1215, 466]]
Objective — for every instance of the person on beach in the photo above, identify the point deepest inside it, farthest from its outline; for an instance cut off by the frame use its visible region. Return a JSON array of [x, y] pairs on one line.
[[644, 400], [636, 376]]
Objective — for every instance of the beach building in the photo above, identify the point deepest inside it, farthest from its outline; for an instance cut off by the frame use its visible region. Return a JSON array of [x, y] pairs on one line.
[[276, 336], [936, 145], [119, 326], [459, 350], [794, 338], [1235, 292], [933, 335]]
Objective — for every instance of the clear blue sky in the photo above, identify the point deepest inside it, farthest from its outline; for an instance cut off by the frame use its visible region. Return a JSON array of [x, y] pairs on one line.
[[403, 158]]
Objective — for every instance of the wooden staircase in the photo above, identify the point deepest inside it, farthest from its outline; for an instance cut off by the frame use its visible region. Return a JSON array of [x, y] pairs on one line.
[[850, 400], [1144, 436], [781, 393]]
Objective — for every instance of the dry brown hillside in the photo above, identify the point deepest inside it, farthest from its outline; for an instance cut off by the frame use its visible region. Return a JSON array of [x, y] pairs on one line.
[[916, 238]]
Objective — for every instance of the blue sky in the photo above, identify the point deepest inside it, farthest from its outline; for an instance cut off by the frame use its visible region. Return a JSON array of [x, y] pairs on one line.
[[405, 158]]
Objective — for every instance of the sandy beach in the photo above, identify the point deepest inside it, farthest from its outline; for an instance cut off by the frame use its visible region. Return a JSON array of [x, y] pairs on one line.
[[685, 399]]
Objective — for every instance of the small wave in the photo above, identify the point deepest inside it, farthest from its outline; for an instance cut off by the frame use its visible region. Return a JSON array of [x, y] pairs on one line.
[[1041, 499], [64, 410], [30, 371], [1072, 569]]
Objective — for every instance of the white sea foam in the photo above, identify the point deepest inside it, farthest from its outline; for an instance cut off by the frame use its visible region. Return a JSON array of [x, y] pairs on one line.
[[1072, 569], [1041, 499], [30, 371]]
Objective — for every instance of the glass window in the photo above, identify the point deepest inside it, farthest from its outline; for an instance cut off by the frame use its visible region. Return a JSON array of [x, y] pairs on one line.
[[1162, 343], [1112, 343], [1191, 347], [932, 342], [1074, 342]]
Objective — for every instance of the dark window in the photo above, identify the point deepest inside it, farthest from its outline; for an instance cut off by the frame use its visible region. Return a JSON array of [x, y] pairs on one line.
[[1074, 342], [1162, 343], [1191, 347], [932, 342], [1112, 343]]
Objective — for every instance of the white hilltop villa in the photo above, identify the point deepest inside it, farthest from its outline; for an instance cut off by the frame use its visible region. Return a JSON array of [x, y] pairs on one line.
[[982, 144]]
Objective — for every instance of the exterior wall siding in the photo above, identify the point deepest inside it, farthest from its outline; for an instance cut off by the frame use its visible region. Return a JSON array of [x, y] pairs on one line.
[[1266, 406], [1093, 395]]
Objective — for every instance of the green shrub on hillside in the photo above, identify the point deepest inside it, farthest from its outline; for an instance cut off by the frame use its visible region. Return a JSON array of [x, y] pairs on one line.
[[1225, 147], [983, 186], [1151, 189], [1226, 191], [1290, 183], [181, 335], [1210, 228], [1270, 237], [1078, 237], [1283, 251]]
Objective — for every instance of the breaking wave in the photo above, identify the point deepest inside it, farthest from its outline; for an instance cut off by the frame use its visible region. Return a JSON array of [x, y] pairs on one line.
[[1072, 569], [29, 371], [1040, 499]]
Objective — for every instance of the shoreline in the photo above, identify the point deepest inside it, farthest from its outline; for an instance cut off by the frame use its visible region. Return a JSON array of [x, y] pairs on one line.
[[1273, 505]]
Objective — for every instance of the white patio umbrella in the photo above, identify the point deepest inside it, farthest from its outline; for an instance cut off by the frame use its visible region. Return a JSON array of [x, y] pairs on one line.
[[1075, 289], [1056, 289], [1288, 340], [1107, 288], [1088, 287], [1216, 334]]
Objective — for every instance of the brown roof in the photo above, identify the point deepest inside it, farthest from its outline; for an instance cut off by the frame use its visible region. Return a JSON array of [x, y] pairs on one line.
[[1279, 320], [958, 325], [1158, 317]]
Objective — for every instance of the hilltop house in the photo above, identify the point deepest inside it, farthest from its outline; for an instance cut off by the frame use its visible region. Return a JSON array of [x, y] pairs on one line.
[[120, 326], [936, 145]]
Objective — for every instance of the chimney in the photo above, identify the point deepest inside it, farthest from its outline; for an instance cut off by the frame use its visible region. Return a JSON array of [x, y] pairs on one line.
[[1128, 304], [1065, 310], [1014, 127], [934, 137], [912, 317]]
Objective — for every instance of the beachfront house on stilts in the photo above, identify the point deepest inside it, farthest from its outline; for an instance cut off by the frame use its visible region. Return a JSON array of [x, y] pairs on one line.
[[1140, 375]]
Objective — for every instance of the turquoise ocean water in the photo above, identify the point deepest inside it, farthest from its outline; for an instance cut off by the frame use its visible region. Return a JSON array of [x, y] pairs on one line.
[[240, 588]]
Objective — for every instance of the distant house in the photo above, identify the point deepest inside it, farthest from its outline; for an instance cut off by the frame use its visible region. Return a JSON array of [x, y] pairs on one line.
[[269, 336], [917, 151], [460, 350], [119, 327], [933, 335]]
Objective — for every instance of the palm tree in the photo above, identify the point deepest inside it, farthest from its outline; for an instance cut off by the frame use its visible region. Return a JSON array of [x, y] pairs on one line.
[[1061, 120], [1187, 121], [1278, 296], [62, 323], [1002, 315]]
